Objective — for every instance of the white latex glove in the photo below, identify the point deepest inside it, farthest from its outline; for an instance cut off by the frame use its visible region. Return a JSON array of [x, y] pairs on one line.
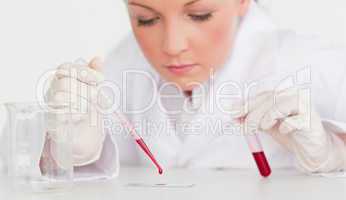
[[76, 84], [290, 119]]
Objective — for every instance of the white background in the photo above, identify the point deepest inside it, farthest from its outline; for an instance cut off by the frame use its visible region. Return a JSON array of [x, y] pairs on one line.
[[37, 35]]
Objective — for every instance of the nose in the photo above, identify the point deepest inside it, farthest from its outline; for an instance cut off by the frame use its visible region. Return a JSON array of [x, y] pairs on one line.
[[174, 40]]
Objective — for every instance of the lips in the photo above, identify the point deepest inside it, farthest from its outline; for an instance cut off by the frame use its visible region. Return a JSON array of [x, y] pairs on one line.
[[180, 69]]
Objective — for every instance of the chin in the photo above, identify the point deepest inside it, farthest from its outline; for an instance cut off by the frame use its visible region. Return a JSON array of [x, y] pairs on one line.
[[187, 85], [184, 82]]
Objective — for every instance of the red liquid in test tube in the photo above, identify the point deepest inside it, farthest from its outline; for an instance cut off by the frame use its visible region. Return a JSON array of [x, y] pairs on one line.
[[262, 163], [258, 154]]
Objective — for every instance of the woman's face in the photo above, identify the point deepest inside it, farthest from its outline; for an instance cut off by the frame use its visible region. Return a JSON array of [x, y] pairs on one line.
[[186, 40]]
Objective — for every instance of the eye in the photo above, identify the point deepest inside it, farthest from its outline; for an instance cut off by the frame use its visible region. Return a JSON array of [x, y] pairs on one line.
[[147, 22], [201, 18]]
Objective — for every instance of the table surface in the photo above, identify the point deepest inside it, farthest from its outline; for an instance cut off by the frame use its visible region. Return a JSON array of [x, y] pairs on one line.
[[209, 184]]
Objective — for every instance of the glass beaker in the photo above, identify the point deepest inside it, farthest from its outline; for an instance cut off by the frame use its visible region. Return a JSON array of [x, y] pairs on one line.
[[39, 148]]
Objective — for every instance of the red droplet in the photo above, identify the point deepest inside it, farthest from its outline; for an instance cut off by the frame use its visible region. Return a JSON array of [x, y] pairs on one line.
[[160, 171]]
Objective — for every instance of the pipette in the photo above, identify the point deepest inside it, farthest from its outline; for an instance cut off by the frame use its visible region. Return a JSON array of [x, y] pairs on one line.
[[125, 122]]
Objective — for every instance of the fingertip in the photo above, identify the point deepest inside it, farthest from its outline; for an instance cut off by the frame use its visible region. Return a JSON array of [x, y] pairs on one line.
[[238, 119], [96, 63]]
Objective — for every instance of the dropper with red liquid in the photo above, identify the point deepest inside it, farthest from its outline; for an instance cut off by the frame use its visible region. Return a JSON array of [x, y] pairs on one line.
[[138, 140], [146, 150], [125, 122]]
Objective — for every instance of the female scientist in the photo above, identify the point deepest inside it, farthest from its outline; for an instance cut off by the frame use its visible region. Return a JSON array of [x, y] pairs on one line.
[[193, 74]]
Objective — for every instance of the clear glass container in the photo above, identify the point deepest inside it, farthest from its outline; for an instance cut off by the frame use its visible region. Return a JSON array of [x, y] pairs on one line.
[[39, 148]]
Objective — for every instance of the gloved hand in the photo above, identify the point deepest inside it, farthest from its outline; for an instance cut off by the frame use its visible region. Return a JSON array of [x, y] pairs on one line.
[[290, 119], [76, 84]]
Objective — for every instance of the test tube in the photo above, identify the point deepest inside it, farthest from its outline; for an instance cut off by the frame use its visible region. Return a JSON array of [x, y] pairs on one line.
[[258, 154]]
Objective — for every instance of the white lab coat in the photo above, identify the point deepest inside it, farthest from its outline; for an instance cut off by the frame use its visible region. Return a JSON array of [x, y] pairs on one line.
[[261, 52]]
